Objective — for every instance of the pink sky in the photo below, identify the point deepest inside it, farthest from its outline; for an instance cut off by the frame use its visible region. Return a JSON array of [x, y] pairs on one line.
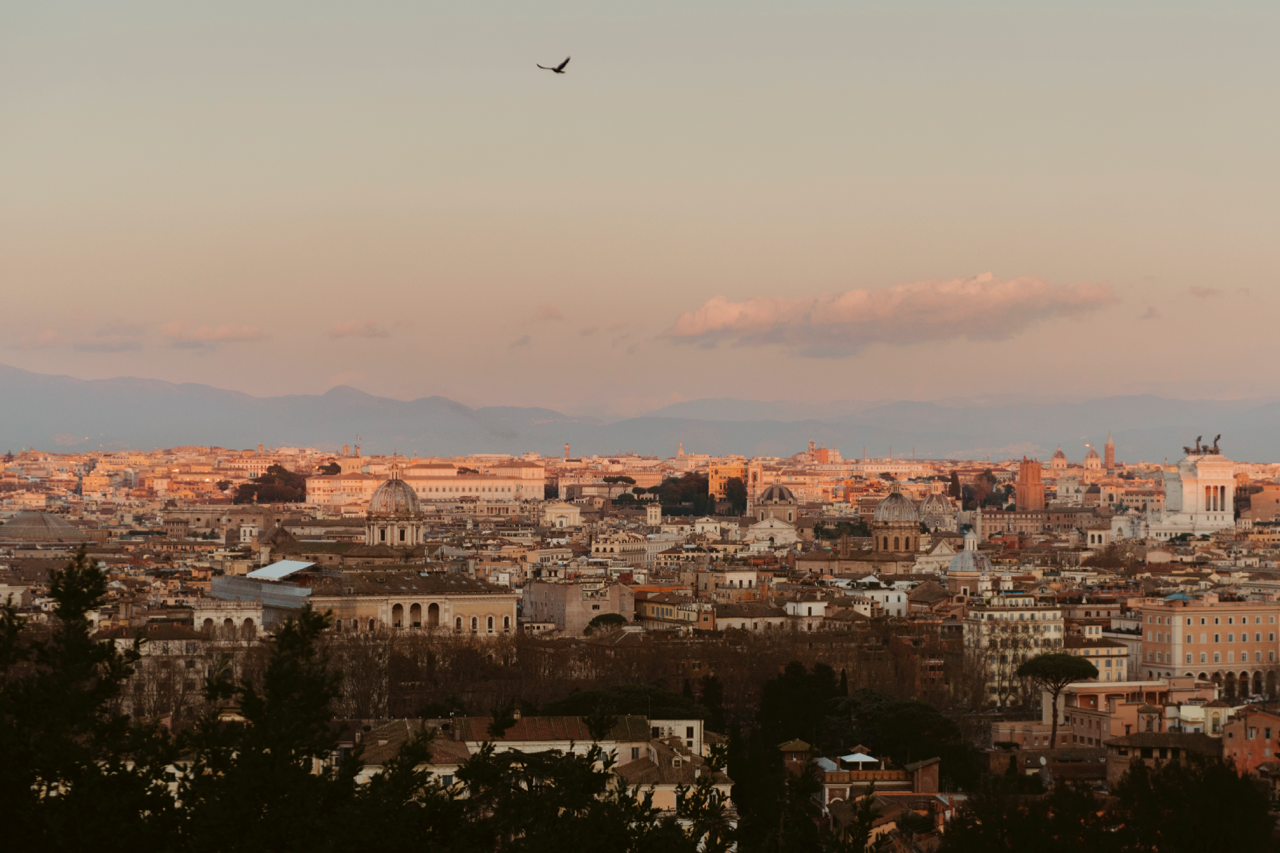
[[762, 202]]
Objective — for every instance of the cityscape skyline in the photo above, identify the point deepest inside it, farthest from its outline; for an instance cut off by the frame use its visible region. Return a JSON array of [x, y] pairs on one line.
[[807, 426]]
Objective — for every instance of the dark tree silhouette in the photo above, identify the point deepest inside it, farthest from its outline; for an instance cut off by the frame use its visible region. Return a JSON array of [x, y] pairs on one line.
[[735, 492], [1054, 672]]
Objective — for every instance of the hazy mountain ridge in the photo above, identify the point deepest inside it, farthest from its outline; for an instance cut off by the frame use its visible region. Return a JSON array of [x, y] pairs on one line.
[[61, 413]]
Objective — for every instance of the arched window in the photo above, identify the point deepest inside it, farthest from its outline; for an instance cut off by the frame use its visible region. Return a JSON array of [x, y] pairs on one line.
[[489, 624], [382, 534], [506, 623], [475, 625], [457, 625], [895, 543], [372, 624]]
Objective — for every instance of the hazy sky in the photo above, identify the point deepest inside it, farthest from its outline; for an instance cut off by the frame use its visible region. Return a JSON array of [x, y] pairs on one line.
[[758, 200]]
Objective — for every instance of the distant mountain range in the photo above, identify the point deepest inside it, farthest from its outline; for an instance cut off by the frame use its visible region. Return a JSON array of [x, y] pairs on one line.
[[60, 413]]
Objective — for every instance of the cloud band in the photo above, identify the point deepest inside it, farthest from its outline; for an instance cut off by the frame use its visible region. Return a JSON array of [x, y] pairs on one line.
[[840, 324]]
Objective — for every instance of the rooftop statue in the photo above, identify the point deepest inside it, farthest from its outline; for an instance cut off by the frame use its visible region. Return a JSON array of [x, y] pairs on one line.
[[1205, 450]]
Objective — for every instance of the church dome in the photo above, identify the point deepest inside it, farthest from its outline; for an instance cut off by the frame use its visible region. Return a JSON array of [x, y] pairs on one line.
[[40, 527], [896, 509], [970, 561], [777, 494], [1058, 454], [394, 497], [936, 502], [1092, 454]]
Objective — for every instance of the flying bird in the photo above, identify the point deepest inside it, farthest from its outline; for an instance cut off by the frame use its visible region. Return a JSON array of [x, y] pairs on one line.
[[559, 69]]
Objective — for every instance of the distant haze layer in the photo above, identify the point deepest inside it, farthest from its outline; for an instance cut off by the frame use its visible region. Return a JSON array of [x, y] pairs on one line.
[[60, 413]]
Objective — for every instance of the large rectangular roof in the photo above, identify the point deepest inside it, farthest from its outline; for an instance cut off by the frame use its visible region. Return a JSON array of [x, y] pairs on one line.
[[279, 571]]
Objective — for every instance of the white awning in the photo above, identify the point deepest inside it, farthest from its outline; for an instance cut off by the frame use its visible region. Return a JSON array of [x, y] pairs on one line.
[[279, 571]]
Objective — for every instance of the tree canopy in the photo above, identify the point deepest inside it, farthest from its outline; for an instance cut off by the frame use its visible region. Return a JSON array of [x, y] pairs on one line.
[[735, 492], [685, 495], [605, 621], [644, 699], [277, 485], [1053, 672], [1202, 806], [857, 527]]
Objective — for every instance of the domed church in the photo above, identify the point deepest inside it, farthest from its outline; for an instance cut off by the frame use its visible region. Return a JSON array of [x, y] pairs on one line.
[[777, 502], [40, 529], [395, 515], [895, 526]]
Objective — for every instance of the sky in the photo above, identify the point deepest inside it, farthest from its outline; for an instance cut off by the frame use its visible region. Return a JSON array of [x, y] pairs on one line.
[[800, 201]]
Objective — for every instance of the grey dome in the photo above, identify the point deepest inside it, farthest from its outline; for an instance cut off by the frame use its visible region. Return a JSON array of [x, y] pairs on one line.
[[896, 509], [36, 527], [1092, 454], [777, 494], [1058, 454], [970, 561], [936, 502], [394, 497]]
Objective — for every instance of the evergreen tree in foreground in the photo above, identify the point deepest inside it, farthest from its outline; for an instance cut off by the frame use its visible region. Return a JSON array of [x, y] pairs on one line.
[[72, 771]]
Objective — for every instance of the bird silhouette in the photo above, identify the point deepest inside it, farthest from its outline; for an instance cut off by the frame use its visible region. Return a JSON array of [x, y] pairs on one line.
[[559, 69]]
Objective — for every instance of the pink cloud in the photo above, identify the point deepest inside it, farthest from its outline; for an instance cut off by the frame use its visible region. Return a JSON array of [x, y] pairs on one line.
[[1203, 292], [548, 311], [39, 340], [367, 329], [833, 325], [187, 336]]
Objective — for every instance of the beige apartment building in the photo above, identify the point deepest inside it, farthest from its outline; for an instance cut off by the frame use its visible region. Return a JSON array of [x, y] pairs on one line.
[[1233, 643]]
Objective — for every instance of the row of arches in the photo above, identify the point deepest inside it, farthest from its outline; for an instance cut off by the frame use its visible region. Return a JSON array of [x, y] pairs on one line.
[[209, 624], [1242, 684], [415, 614], [900, 543]]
